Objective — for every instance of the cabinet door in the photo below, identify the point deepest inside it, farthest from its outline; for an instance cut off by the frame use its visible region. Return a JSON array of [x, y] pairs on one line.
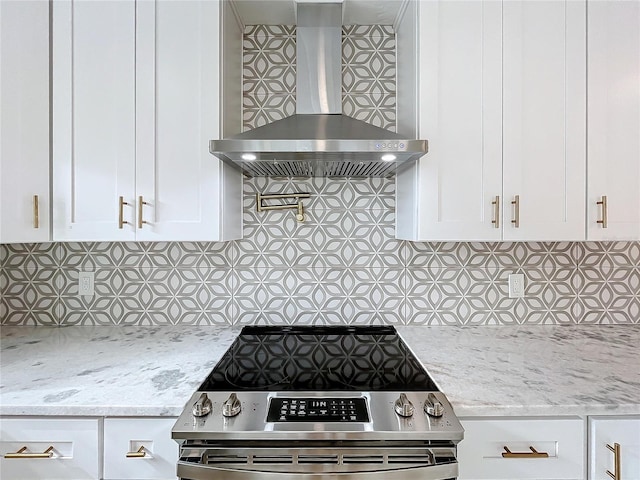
[[149, 436], [544, 85], [448, 194], [24, 121], [93, 119], [604, 431], [75, 452], [614, 120], [178, 112], [480, 454]]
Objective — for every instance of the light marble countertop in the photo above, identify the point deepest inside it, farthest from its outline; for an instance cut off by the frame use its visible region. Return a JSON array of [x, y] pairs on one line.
[[484, 371], [105, 371], [533, 370]]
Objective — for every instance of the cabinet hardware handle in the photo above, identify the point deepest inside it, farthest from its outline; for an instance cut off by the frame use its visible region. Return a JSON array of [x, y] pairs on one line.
[[140, 453], [36, 212], [141, 203], [121, 220], [532, 454], [616, 459], [22, 453], [516, 211], [496, 212], [603, 202]]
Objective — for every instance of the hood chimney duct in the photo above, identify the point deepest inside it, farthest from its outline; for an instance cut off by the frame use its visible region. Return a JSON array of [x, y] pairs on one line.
[[319, 58]]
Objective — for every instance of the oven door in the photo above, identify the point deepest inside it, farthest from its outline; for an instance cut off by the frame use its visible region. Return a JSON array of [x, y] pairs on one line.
[[292, 462]]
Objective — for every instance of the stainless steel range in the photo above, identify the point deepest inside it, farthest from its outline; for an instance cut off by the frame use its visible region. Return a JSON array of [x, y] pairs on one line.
[[314, 403]]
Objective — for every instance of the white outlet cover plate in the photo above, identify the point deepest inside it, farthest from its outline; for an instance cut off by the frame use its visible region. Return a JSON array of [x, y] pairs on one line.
[[85, 283], [516, 285]]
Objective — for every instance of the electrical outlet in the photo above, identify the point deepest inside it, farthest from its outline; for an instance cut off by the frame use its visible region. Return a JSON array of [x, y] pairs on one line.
[[516, 285], [85, 283]]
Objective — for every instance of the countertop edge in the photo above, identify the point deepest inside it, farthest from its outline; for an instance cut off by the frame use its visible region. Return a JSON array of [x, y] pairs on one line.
[[461, 411], [89, 411]]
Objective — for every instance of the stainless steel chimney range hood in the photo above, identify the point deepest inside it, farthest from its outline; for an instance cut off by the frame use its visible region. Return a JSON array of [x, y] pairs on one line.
[[318, 140]]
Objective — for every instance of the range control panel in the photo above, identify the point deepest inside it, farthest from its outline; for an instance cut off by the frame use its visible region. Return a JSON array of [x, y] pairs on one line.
[[314, 409]]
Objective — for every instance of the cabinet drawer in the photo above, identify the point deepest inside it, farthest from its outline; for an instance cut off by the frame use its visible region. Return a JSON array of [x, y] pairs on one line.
[[124, 435], [480, 453], [75, 453]]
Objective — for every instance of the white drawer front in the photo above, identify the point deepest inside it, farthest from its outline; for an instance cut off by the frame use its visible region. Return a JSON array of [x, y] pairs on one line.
[[123, 435], [75, 453], [480, 453]]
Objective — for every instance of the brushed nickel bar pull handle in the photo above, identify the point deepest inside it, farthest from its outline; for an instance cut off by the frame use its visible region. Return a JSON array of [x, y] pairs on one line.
[[616, 459], [141, 203], [121, 220], [138, 454], [516, 212], [22, 453], [496, 212], [532, 454], [36, 212], [605, 219]]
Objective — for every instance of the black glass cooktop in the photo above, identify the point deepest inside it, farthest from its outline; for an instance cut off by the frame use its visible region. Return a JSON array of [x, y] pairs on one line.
[[371, 358]]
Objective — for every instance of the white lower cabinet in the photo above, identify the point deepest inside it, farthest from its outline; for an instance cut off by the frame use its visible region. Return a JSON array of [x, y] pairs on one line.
[[484, 452], [139, 448], [45, 448], [68, 448], [614, 446]]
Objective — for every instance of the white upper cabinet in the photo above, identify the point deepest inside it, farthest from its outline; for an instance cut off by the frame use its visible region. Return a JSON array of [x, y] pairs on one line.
[[501, 99], [24, 121], [136, 101], [544, 119], [93, 119], [447, 194], [189, 194], [614, 121]]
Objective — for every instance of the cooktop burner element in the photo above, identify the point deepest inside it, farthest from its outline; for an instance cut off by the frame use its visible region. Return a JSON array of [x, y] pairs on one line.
[[372, 358]]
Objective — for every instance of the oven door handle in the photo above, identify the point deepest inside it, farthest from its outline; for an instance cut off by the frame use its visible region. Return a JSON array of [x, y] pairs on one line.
[[193, 471]]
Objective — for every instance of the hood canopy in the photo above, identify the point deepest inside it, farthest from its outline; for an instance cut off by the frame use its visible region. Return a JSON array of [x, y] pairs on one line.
[[318, 140]]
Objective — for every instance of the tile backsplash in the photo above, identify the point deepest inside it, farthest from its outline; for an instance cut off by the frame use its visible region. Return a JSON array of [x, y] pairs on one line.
[[341, 265]]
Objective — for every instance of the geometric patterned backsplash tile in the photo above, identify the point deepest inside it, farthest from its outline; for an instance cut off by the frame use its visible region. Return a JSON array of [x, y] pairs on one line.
[[369, 74], [269, 74], [341, 266]]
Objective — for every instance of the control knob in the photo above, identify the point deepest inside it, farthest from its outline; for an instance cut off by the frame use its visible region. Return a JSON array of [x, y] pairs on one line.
[[202, 407], [403, 406], [231, 406], [433, 407]]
